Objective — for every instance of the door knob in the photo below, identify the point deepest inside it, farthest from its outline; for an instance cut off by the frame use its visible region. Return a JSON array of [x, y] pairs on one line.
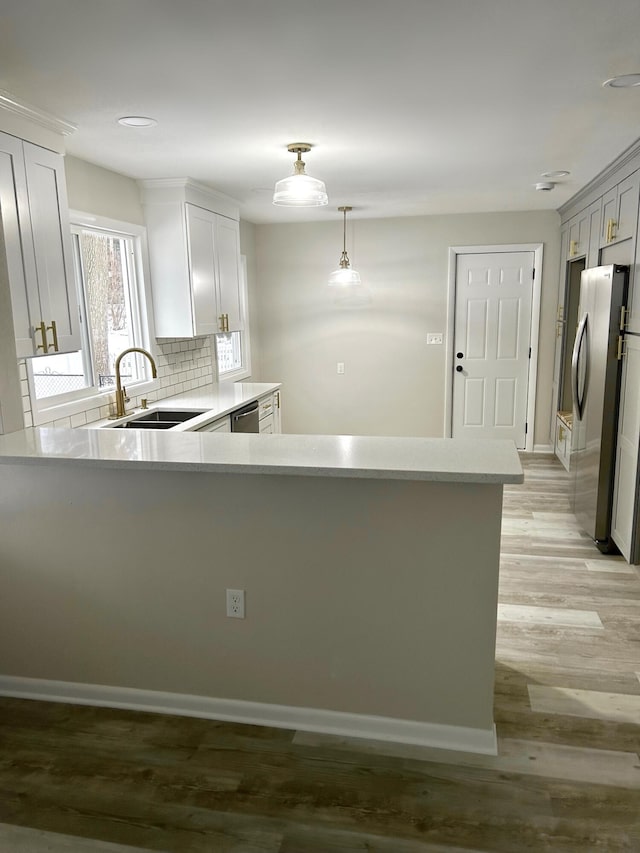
[[459, 368], [459, 355]]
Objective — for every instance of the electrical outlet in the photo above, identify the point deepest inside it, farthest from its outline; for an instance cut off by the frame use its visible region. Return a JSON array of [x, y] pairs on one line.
[[341, 367], [235, 603], [434, 337]]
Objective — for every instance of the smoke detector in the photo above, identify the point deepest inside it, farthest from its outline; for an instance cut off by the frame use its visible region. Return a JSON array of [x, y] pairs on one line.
[[545, 186]]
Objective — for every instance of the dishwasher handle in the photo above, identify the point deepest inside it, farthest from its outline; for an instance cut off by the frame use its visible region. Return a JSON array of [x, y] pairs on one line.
[[246, 419]]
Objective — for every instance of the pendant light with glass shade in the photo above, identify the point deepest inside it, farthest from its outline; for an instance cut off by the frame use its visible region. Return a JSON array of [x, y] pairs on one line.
[[300, 189], [344, 275]]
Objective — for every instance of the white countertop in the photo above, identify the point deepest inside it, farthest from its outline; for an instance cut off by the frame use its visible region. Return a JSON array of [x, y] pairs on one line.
[[427, 459], [217, 400]]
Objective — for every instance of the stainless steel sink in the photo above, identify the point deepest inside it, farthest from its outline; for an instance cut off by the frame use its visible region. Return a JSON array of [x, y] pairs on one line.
[[163, 415], [159, 419]]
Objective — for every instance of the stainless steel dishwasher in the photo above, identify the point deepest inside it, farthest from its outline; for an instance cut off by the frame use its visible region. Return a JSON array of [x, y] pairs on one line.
[[246, 419]]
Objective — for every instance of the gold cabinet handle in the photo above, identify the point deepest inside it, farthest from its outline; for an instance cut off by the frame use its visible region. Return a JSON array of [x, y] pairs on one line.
[[226, 322], [611, 230], [573, 248], [44, 346], [623, 318], [221, 320], [277, 395], [621, 350], [54, 331]]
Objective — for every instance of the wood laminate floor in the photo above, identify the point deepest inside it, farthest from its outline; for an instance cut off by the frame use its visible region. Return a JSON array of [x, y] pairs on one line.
[[567, 710]]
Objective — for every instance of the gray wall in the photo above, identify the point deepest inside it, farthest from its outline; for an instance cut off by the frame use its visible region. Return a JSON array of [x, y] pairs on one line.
[[93, 189], [360, 595], [394, 384]]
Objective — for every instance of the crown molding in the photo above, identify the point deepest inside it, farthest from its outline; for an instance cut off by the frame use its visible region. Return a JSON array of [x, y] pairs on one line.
[[608, 174], [35, 115]]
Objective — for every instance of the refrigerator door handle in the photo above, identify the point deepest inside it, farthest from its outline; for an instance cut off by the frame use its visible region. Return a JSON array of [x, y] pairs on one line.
[[576, 363]]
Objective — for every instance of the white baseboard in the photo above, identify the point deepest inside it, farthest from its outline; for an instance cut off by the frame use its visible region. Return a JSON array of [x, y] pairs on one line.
[[543, 448], [256, 713]]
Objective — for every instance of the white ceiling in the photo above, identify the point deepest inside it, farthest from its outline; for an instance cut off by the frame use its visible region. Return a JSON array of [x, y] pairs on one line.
[[414, 106]]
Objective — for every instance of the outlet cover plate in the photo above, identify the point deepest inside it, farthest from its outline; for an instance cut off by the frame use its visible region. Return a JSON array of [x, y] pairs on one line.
[[235, 603]]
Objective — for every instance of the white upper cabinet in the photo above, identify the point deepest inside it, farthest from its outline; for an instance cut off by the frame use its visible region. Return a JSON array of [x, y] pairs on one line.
[[33, 200], [194, 253], [620, 211], [201, 250], [578, 235], [227, 238], [594, 213]]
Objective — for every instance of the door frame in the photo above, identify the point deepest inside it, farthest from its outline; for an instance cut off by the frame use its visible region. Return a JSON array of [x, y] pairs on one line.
[[534, 333]]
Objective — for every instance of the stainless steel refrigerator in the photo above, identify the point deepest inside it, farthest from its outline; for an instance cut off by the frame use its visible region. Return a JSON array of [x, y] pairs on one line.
[[595, 380]]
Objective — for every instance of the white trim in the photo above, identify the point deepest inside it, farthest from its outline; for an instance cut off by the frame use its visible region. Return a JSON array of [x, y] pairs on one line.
[[454, 251], [543, 448], [173, 190], [628, 160], [35, 115], [88, 399], [242, 373], [255, 713]]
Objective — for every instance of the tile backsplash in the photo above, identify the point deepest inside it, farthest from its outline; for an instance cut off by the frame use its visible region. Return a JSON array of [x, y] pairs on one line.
[[182, 365]]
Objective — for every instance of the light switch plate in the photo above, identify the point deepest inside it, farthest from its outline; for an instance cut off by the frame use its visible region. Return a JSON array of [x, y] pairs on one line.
[[434, 337]]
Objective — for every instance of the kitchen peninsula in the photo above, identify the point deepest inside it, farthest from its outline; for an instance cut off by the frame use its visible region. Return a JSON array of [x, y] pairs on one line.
[[370, 567]]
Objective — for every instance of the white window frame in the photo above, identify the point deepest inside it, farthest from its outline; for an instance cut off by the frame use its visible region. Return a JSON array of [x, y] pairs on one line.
[[49, 409], [243, 372]]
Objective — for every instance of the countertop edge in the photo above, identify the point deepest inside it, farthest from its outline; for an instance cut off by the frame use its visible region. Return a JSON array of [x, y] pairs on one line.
[[355, 457]]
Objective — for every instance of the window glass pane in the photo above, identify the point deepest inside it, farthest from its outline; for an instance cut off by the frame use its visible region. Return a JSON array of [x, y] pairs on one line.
[[59, 374], [106, 281], [105, 290], [229, 352]]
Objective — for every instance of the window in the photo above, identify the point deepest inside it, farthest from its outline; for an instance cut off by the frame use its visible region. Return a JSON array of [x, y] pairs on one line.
[[232, 348], [108, 272]]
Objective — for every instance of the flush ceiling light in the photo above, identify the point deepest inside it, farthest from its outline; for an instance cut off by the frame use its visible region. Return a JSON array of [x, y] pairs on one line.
[[344, 275], [624, 81], [300, 189], [137, 121]]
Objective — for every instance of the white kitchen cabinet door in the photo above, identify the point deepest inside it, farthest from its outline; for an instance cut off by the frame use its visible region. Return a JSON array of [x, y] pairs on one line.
[[277, 411], [266, 425], [51, 234], [227, 250], [38, 246], [578, 235], [595, 220], [201, 230], [620, 211], [221, 425], [194, 253], [625, 495]]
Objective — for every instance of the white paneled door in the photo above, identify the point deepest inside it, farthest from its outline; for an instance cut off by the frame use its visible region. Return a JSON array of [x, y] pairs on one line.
[[492, 340]]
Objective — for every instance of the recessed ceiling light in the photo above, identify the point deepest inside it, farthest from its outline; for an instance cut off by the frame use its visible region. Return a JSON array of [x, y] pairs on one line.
[[624, 81], [137, 121], [559, 173]]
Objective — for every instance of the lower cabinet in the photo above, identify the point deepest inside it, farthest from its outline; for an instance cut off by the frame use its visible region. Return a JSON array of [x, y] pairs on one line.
[[269, 408], [562, 443], [221, 425]]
